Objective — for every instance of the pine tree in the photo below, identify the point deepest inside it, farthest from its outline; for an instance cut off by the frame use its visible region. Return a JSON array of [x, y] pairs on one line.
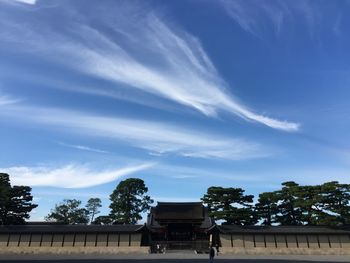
[[231, 205], [69, 212], [267, 207], [92, 207], [128, 201], [15, 202]]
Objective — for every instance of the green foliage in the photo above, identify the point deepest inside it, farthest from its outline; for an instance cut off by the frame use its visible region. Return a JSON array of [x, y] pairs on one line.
[[15, 202], [326, 204], [92, 207], [335, 200], [266, 208], [128, 201], [69, 212], [230, 204], [102, 220], [289, 211], [5, 189]]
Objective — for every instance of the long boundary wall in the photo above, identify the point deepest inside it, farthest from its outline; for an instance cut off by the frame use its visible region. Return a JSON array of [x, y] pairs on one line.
[[33, 241], [121, 239]]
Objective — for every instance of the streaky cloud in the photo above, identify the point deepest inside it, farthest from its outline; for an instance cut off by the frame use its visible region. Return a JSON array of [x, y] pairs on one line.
[[69, 176], [260, 18], [82, 147], [155, 137], [28, 2], [152, 57], [6, 100]]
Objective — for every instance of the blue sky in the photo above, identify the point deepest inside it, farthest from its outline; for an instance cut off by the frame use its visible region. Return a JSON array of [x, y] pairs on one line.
[[183, 94]]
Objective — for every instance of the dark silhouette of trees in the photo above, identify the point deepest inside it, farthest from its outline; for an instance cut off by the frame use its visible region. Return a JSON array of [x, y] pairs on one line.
[[267, 208], [230, 205], [293, 204], [289, 213], [335, 202], [102, 220], [326, 204], [128, 201], [69, 212], [92, 207], [15, 202]]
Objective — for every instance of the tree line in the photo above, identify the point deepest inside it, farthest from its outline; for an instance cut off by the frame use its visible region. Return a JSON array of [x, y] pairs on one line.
[[293, 204]]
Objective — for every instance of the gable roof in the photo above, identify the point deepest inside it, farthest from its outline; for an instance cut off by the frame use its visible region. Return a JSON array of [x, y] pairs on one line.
[[178, 211]]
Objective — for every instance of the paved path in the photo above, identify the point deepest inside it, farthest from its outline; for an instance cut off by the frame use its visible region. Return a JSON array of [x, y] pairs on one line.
[[168, 261], [170, 258]]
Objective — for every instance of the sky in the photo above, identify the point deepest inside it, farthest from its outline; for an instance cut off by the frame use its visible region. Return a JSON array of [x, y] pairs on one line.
[[182, 94]]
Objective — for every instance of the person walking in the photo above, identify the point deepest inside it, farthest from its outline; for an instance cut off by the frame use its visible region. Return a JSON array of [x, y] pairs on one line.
[[217, 249], [211, 254]]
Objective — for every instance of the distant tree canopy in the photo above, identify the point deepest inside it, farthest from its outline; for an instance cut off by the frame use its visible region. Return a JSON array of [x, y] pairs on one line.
[[326, 204], [92, 207], [128, 201], [102, 220], [15, 202], [230, 205], [69, 212], [293, 204]]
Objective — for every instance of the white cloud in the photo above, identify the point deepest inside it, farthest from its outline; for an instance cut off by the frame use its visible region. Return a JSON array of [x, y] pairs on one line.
[[69, 176], [6, 100], [151, 57], [155, 137], [29, 2], [82, 147], [261, 17]]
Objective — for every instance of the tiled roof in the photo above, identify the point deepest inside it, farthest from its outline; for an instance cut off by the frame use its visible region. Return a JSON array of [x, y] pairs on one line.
[[225, 229], [71, 228]]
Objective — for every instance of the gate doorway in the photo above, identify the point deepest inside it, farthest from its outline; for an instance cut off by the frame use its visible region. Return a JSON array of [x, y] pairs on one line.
[[180, 232]]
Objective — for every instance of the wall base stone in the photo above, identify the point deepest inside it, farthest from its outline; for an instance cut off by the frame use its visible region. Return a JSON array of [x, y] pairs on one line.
[[73, 250], [283, 251]]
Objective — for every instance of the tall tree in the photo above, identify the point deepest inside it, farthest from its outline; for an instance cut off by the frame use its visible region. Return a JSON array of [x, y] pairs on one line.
[[69, 212], [231, 205], [336, 203], [5, 188], [289, 212], [309, 201], [267, 208], [15, 202], [92, 207], [128, 201]]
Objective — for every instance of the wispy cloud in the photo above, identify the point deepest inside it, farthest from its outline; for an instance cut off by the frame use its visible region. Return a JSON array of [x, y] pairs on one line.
[[6, 100], [155, 137], [261, 18], [82, 147], [69, 176], [29, 2], [152, 57]]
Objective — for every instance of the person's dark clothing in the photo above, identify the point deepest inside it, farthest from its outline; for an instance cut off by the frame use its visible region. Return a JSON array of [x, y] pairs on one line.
[[211, 254]]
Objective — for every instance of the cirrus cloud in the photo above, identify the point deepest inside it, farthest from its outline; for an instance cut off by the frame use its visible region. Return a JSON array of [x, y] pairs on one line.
[[155, 137], [69, 176], [145, 54]]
